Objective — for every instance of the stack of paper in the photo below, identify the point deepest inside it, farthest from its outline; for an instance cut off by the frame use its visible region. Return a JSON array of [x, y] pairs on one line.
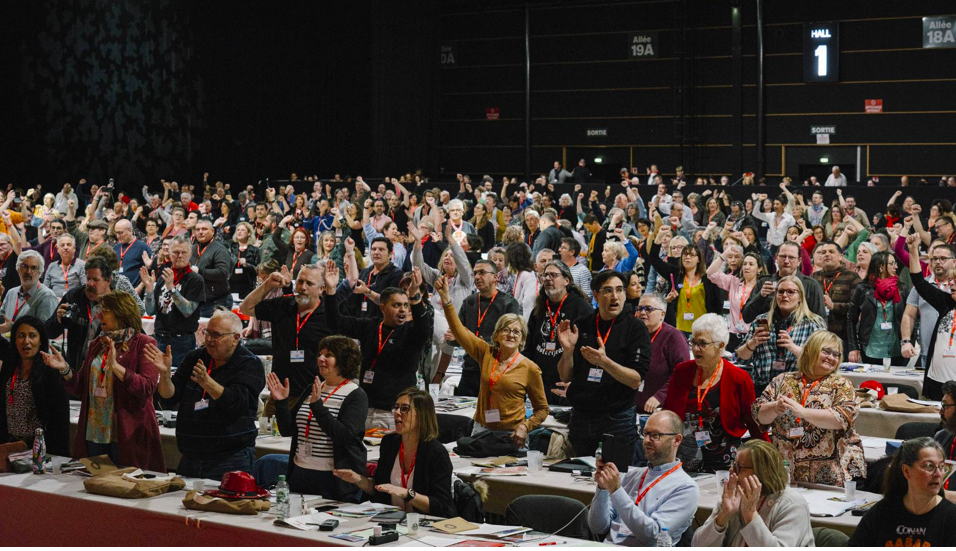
[[305, 522]]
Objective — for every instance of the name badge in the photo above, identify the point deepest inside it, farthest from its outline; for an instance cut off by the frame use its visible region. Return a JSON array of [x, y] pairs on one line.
[[201, 405], [365, 306], [595, 374], [549, 346], [702, 437], [778, 366], [828, 312], [796, 432], [688, 316], [305, 450], [99, 392], [641, 388], [368, 377], [238, 270], [886, 326], [297, 356], [492, 416], [949, 353]]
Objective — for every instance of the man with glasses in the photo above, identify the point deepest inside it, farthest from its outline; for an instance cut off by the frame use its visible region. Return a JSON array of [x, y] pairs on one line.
[[175, 301], [788, 264], [48, 246], [634, 508], [838, 283], [668, 348], [605, 357], [942, 265], [29, 298], [479, 313], [217, 388], [947, 435]]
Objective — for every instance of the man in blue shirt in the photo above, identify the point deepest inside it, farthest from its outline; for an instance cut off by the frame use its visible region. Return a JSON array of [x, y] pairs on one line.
[[129, 251]]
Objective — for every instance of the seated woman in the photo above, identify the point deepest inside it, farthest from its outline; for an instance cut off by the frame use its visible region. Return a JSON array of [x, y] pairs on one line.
[[912, 513], [756, 507], [507, 377], [328, 426], [713, 396], [811, 412], [34, 397], [414, 471]]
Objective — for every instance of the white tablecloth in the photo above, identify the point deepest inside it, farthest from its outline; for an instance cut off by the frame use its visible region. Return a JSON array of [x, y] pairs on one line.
[[896, 376], [882, 423]]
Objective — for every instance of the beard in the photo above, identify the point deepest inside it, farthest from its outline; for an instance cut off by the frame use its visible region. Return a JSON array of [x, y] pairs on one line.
[[302, 300], [656, 457]]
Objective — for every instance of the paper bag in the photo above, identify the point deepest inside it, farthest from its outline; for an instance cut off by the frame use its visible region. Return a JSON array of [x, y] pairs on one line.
[[6, 450], [113, 484], [200, 502], [900, 402]]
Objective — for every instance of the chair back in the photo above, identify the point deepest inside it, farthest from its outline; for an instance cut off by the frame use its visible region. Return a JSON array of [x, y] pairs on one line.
[[558, 515]]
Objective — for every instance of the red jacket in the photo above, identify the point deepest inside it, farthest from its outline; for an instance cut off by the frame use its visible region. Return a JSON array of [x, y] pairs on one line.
[[736, 396], [137, 432]]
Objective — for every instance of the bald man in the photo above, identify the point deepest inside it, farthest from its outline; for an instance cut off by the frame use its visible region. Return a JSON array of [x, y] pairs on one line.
[[130, 251]]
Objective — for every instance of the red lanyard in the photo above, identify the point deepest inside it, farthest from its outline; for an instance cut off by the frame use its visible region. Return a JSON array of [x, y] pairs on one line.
[[13, 383], [882, 303], [951, 448], [87, 256], [179, 277], [16, 307], [401, 464], [53, 251], [951, 332], [597, 325], [492, 379], [299, 323], [640, 494], [481, 316], [700, 398], [381, 343], [239, 262], [66, 271], [554, 319], [212, 365], [687, 289], [104, 367], [122, 252], [295, 257], [826, 288], [654, 336], [200, 253], [806, 391], [324, 400]]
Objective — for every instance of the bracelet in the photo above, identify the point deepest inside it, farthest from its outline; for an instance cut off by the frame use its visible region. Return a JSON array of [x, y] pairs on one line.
[[65, 372], [446, 304], [747, 345]]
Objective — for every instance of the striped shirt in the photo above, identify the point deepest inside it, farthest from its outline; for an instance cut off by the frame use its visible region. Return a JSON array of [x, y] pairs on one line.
[[315, 450]]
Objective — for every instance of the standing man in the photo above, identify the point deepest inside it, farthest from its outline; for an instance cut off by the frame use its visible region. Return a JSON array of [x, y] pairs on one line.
[[668, 348], [275, 240], [391, 348], [569, 251], [130, 251], [78, 314], [788, 263], [550, 236], [30, 297], [69, 272], [372, 281], [605, 358], [175, 302], [581, 173], [211, 260], [533, 221], [217, 388], [941, 264], [838, 283], [48, 247], [558, 175], [595, 243]]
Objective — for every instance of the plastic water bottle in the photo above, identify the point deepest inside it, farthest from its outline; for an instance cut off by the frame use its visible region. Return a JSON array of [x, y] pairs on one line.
[[282, 498], [39, 452], [528, 408], [420, 381], [664, 539], [786, 467]]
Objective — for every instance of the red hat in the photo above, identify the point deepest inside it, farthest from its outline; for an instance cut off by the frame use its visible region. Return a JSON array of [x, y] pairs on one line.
[[238, 485], [874, 385]]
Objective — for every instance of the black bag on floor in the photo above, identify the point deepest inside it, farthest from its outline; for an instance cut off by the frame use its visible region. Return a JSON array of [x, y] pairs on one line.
[[491, 443]]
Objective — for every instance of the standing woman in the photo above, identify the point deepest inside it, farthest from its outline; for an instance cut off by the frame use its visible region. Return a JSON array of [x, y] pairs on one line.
[[326, 246], [507, 376], [876, 313], [328, 426], [863, 256], [242, 280], [940, 358], [115, 385], [832, 222], [525, 291], [414, 471], [485, 228], [34, 396], [300, 253], [691, 294], [152, 239], [738, 290]]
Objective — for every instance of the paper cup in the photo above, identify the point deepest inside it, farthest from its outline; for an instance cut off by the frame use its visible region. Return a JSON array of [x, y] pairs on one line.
[[892, 390], [199, 486], [412, 520], [849, 490], [722, 478], [535, 461]]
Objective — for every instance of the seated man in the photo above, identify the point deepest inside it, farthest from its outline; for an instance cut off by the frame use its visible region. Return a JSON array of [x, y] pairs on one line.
[[633, 511]]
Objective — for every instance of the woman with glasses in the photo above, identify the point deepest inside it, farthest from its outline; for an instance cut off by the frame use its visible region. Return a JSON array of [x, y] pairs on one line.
[[810, 413], [738, 289], [328, 425], [876, 313], [941, 353], [414, 471], [757, 508], [913, 512], [713, 396], [507, 376], [775, 339], [690, 294]]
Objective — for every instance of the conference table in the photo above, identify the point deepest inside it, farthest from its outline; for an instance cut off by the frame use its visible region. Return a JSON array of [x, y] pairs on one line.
[[884, 424], [895, 377]]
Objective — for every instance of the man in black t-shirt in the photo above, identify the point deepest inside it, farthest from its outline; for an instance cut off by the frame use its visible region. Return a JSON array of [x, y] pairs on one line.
[[175, 301], [947, 436], [605, 358], [372, 280]]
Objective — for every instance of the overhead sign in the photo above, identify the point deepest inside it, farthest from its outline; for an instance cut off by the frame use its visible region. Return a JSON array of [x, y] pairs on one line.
[[823, 130], [597, 132], [938, 32], [642, 45], [448, 54], [821, 52], [873, 106], [492, 113]]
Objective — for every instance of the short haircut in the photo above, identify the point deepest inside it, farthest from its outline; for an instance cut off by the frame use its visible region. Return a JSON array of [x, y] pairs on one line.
[[381, 239], [531, 212], [424, 407], [946, 247], [178, 208], [714, 324], [30, 254], [99, 263], [949, 388], [603, 277], [125, 308], [767, 465], [106, 252], [672, 419], [543, 251], [388, 293], [572, 244], [503, 322], [348, 357], [590, 219], [230, 319], [549, 217], [657, 299], [455, 203], [475, 242], [68, 237], [882, 238], [489, 263]]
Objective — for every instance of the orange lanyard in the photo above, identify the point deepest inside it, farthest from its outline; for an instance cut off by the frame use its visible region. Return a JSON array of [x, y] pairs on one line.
[[241, 252], [597, 325], [401, 460], [200, 253], [299, 323], [295, 257], [744, 295], [16, 307], [53, 251], [687, 289], [104, 367], [87, 256], [212, 365], [656, 333], [481, 316], [882, 303], [324, 400], [952, 331], [66, 271], [554, 318], [492, 379], [826, 288], [122, 252], [641, 494], [381, 343], [806, 391], [700, 397]]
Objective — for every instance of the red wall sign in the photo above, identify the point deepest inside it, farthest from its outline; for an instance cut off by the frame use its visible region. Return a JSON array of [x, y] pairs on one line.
[[874, 106], [491, 113]]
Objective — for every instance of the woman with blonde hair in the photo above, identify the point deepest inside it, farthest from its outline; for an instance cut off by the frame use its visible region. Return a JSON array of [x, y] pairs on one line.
[[242, 279], [810, 414], [757, 508]]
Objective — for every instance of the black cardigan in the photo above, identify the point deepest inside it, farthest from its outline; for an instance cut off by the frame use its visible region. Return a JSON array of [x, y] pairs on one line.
[[432, 474], [50, 399], [713, 299], [346, 431], [940, 300], [862, 314]]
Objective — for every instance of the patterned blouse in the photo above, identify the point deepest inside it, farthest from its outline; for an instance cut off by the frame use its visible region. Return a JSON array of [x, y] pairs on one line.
[[101, 415], [22, 420], [821, 456]]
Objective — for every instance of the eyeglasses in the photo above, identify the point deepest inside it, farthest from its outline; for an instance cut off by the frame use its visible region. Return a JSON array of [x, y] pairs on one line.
[[737, 467], [402, 408], [689, 252], [551, 275], [213, 336], [608, 291], [940, 258], [656, 436], [786, 292], [677, 247], [786, 257], [648, 309], [482, 272], [699, 344], [514, 332], [944, 406], [830, 352], [929, 467]]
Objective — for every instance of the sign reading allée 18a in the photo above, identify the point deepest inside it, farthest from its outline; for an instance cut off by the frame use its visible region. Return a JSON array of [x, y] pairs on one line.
[[821, 52]]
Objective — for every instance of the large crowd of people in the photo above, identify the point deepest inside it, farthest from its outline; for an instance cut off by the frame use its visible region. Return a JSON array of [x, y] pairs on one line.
[[724, 316]]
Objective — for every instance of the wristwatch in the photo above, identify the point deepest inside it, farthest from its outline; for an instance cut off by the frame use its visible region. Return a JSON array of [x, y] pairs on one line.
[[906, 341], [411, 495]]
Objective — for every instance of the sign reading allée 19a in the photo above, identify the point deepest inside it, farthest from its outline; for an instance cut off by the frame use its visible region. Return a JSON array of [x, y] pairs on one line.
[[821, 52]]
